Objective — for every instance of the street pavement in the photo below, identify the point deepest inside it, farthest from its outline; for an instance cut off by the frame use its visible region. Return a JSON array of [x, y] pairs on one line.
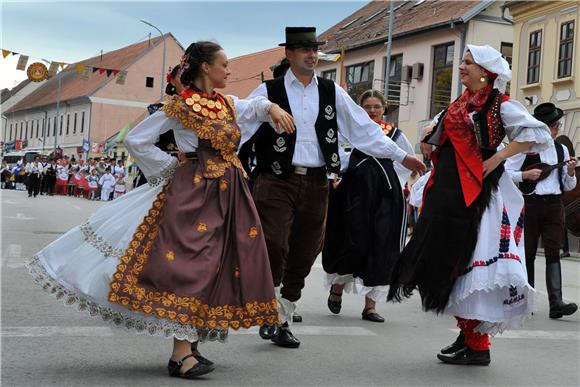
[[45, 344]]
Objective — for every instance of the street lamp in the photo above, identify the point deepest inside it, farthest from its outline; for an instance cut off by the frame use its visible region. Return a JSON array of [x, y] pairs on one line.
[[58, 76], [164, 50]]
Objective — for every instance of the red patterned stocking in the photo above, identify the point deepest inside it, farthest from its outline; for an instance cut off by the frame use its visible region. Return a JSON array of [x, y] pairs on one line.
[[474, 340]]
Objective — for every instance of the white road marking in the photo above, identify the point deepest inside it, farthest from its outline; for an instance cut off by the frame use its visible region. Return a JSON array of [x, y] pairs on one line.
[[9, 201], [20, 216], [13, 256], [79, 331], [542, 335], [76, 207], [313, 330]]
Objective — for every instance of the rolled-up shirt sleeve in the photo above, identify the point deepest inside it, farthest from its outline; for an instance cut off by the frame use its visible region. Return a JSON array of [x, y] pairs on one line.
[[513, 167], [568, 182], [140, 142], [362, 132]]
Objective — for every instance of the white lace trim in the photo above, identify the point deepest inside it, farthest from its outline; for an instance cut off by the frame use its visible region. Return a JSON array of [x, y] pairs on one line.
[[132, 322], [355, 285], [98, 242], [165, 174], [492, 328]]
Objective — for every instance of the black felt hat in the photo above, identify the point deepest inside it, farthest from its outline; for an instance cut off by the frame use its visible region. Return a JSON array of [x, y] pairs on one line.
[[548, 113], [301, 37]]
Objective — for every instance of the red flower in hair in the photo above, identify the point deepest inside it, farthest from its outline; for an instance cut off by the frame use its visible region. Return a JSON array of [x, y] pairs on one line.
[[168, 76]]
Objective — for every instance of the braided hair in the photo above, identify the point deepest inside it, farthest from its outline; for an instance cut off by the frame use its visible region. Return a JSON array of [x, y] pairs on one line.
[[196, 54]]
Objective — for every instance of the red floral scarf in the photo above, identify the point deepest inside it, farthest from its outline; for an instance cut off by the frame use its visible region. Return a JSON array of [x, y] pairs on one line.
[[458, 128]]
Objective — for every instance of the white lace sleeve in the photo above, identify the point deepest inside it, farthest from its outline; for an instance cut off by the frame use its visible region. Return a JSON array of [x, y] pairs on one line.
[[403, 143], [521, 126], [251, 113], [140, 142]]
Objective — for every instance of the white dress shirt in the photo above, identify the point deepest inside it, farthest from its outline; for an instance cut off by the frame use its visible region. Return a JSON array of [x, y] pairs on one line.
[[551, 184], [353, 123], [34, 168]]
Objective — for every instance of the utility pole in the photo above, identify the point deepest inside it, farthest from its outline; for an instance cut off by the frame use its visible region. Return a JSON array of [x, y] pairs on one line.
[[389, 46]]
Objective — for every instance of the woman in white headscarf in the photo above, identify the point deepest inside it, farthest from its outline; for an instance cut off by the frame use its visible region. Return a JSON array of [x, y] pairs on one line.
[[466, 255]]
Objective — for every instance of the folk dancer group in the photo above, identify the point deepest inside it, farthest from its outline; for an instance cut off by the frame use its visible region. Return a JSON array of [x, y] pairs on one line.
[[191, 254]]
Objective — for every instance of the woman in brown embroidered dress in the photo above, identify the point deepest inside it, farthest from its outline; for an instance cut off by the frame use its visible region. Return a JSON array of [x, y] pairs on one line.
[[183, 257]]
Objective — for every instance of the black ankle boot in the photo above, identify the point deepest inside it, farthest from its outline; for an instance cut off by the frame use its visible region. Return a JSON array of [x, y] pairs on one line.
[[466, 356], [558, 308], [458, 344]]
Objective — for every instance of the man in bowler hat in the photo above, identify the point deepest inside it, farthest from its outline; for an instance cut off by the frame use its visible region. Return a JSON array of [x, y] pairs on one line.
[[291, 186], [544, 210]]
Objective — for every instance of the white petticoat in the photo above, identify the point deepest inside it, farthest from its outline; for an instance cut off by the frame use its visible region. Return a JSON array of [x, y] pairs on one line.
[[495, 289], [78, 267], [356, 286]]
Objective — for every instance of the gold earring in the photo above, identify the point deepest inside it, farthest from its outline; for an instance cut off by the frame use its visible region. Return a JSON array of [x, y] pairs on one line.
[[482, 79]]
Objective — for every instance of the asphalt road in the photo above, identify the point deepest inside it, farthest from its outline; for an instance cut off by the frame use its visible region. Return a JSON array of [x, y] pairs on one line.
[[46, 344]]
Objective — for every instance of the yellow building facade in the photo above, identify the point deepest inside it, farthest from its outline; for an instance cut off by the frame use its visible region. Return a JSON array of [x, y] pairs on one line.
[[545, 66]]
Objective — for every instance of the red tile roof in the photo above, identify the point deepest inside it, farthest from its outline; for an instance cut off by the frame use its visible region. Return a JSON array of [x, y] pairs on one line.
[[9, 93], [247, 71], [369, 25], [73, 86]]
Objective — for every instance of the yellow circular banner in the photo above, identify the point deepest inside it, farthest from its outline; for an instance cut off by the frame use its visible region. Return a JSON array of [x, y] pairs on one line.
[[37, 72]]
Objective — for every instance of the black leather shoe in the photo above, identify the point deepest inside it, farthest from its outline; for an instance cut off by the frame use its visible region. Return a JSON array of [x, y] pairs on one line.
[[203, 360], [455, 346], [372, 316], [562, 310], [334, 306], [285, 338], [268, 332], [466, 356], [296, 318], [197, 370]]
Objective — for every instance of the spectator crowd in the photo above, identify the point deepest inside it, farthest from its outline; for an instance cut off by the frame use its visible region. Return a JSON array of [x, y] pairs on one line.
[[94, 179]]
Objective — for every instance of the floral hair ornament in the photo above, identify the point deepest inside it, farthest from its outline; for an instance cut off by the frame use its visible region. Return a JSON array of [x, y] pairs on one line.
[[184, 64], [168, 75]]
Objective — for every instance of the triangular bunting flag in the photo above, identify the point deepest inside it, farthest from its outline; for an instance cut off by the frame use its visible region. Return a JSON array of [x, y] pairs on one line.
[[86, 74], [22, 62], [95, 69], [62, 65], [14, 53], [5, 53], [121, 78], [52, 69], [115, 72], [101, 71], [80, 68], [109, 71]]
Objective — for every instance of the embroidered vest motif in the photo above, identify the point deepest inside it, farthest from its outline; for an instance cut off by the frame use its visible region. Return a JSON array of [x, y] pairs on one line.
[[223, 135], [488, 127], [274, 151]]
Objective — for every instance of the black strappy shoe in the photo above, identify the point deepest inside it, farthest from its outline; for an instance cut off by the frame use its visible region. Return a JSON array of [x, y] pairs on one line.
[[334, 306], [197, 370]]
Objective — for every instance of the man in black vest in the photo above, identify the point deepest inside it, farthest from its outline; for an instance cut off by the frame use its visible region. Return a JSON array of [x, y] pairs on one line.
[[544, 208], [291, 187]]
